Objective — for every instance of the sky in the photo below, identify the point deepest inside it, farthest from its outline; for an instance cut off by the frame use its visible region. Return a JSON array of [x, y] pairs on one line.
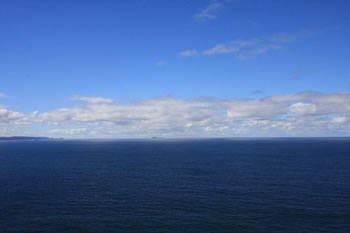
[[208, 68]]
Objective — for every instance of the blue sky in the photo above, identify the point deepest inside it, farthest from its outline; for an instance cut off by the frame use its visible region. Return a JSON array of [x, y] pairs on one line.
[[130, 56]]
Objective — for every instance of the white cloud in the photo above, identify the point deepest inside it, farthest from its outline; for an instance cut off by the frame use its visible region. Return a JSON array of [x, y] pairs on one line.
[[231, 47], [15, 130], [14, 118], [325, 103], [209, 12], [256, 109], [245, 49], [340, 119], [301, 114], [307, 113], [303, 108], [256, 51], [93, 100], [188, 53], [68, 132], [161, 63], [2, 95]]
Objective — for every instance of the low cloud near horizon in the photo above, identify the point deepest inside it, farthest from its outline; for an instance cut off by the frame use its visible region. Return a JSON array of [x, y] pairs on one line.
[[300, 114]]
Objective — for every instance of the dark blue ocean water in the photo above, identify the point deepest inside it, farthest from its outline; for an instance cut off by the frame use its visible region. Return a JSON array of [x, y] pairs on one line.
[[183, 186]]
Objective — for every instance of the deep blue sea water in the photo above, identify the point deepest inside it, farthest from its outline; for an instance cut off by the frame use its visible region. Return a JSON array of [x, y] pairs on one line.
[[182, 186]]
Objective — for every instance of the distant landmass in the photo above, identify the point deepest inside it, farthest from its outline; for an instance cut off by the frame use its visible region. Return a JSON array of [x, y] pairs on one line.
[[24, 138]]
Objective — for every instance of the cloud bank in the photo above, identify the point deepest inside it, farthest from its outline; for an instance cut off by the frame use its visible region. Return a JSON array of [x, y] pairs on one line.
[[301, 114]]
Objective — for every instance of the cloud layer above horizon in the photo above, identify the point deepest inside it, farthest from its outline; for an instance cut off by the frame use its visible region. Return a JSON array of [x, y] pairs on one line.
[[301, 114]]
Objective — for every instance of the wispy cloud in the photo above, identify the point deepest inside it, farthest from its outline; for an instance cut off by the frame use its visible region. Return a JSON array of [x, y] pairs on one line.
[[257, 92], [92, 100], [254, 52], [2, 95], [188, 53], [209, 12], [299, 74], [212, 9], [251, 48], [231, 47], [69, 132], [161, 63]]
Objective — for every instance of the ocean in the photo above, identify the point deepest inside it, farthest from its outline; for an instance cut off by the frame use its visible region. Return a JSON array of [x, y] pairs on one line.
[[173, 185]]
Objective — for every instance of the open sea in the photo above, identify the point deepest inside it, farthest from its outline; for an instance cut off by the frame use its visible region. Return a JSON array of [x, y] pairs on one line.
[[184, 186]]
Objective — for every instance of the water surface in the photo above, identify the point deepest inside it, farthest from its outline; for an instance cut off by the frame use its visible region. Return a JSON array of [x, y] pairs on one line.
[[184, 186]]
